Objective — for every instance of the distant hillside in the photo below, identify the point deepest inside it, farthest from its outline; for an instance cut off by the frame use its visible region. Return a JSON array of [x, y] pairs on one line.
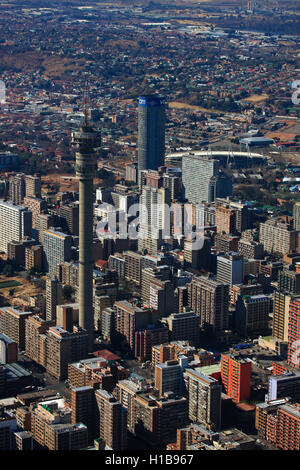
[[35, 60]]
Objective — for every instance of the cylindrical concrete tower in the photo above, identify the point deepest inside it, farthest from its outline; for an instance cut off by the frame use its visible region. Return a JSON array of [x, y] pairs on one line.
[[151, 132], [86, 141]]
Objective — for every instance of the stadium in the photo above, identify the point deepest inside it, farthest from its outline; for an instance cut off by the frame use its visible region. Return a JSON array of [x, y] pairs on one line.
[[225, 157]]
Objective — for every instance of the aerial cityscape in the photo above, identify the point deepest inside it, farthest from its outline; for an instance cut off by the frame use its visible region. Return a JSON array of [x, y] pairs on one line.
[[150, 227]]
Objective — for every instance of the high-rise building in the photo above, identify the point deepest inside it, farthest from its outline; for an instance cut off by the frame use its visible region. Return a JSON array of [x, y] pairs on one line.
[[178, 349], [196, 257], [107, 323], [15, 223], [168, 378], [17, 188], [294, 333], [35, 339], [42, 223], [243, 215], [53, 296], [204, 399], [86, 141], [36, 206], [66, 316], [152, 178], [197, 173], [151, 132], [288, 427], [52, 429], [126, 391], [128, 319], [156, 419], [63, 347], [236, 377], [95, 372], [230, 269], [57, 248], [281, 308], [181, 298], [173, 181], [83, 408], [209, 214], [8, 350], [101, 302], [8, 160], [154, 218], [184, 326], [23, 415], [133, 266], [24, 440], [226, 242], [225, 219], [277, 237], [296, 213], [252, 314], [278, 422], [12, 324], [107, 286], [251, 266], [221, 186], [33, 186], [210, 300], [281, 386], [66, 436], [195, 437], [149, 275], [69, 214], [116, 263], [244, 290], [145, 339], [8, 425], [113, 421], [289, 282], [161, 296], [265, 417], [63, 273], [155, 261], [250, 249], [16, 250], [271, 269], [34, 257], [131, 172]]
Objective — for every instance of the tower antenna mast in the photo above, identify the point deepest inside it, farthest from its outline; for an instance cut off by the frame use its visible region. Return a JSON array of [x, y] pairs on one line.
[[86, 102]]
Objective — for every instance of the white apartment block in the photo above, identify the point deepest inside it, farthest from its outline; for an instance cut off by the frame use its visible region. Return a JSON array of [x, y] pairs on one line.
[[15, 223]]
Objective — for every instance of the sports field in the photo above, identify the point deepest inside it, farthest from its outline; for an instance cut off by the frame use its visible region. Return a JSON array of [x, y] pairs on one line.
[[6, 284]]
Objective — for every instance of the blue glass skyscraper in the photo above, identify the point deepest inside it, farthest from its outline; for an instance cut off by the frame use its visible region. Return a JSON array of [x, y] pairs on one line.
[[151, 132]]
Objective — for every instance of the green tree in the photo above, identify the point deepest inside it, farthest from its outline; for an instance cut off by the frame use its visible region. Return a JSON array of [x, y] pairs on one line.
[[67, 292], [8, 270]]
